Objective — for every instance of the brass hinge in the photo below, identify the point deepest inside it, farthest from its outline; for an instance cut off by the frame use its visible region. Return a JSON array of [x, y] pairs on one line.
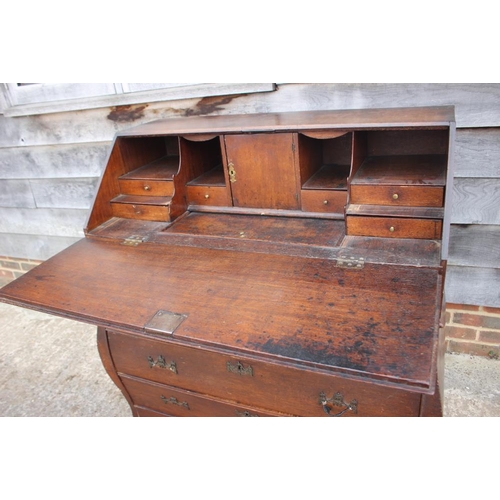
[[133, 240], [351, 262]]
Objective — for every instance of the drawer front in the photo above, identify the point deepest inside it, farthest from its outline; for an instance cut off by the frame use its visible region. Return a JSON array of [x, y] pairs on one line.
[[391, 227], [146, 187], [253, 383], [407, 196], [316, 200], [146, 412], [207, 195], [141, 212], [181, 403]]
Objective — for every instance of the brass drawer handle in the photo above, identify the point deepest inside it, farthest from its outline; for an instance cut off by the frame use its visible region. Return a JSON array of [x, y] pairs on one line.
[[174, 401], [395, 196], [162, 363], [337, 400], [147, 188], [239, 369], [391, 229]]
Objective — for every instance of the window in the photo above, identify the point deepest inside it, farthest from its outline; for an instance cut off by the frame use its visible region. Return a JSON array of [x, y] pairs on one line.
[[21, 99]]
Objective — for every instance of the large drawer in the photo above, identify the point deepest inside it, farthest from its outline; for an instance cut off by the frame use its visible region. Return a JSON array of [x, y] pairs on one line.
[[392, 227], [179, 403], [255, 383], [409, 196]]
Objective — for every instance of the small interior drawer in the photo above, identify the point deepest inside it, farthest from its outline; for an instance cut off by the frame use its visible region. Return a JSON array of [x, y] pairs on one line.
[[207, 195], [146, 187], [142, 212], [392, 227], [323, 200], [409, 196]]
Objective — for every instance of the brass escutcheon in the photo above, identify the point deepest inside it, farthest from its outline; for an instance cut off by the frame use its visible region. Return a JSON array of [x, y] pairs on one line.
[[244, 414], [239, 369], [232, 172]]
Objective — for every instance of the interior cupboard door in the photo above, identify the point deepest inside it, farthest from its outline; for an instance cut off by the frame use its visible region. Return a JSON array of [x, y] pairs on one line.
[[262, 172]]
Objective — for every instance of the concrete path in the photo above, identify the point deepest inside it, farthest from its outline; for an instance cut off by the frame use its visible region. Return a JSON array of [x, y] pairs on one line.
[[50, 367]]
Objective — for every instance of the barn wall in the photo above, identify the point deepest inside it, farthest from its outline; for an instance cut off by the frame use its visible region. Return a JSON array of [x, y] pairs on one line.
[[50, 163]]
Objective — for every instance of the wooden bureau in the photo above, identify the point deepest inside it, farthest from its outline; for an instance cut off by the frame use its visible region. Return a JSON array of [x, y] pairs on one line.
[[287, 264]]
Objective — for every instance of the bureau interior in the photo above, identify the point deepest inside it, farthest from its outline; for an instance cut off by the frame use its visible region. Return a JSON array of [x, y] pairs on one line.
[[338, 173]]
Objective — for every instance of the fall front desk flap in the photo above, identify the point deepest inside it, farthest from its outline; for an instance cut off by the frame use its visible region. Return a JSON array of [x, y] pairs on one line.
[[374, 321]]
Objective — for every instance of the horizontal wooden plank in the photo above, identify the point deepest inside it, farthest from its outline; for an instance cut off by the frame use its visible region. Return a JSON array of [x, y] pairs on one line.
[[36, 247], [477, 152], [477, 105], [59, 161], [473, 285], [16, 193], [475, 246], [43, 221], [64, 193], [476, 201]]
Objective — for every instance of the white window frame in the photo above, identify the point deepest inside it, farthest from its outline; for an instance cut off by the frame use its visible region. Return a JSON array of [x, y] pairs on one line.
[[42, 98]]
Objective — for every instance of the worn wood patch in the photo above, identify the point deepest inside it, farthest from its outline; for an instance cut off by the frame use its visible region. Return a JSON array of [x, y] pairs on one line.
[[476, 201], [477, 153], [43, 221], [473, 285], [59, 161], [475, 246]]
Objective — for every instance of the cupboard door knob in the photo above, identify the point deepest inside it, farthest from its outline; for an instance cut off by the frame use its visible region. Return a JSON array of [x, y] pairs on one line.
[[146, 188], [395, 196], [391, 229]]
